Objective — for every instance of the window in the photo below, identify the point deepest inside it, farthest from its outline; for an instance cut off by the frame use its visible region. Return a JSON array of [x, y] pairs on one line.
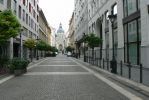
[[20, 12], [34, 13], [24, 2], [29, 21], [34, 2], [37, 8], [130, 7], [26, 18], [25, 32], [115, 41], [37, 18], [132, 41], [2, 1], [106, 19], [114, 9], [23, 15], [14, 6], [30, 7]]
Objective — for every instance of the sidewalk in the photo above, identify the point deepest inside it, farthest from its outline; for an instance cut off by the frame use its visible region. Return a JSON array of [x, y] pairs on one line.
[[143, 89]]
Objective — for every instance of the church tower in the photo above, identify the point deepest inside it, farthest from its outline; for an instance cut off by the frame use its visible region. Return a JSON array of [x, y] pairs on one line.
[[60, 38]]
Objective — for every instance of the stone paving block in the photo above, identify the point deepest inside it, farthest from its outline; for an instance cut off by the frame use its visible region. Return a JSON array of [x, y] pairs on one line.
[[57, 69], [58, 87]]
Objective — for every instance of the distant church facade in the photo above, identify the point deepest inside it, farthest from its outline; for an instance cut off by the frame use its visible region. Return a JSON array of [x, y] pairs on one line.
[[60, 38]]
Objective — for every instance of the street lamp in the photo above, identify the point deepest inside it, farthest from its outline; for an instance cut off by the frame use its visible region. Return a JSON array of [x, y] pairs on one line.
[[113, 62], [84, 47]]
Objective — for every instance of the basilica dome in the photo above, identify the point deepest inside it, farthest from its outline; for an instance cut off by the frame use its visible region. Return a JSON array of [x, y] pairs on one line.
[[60, 30]]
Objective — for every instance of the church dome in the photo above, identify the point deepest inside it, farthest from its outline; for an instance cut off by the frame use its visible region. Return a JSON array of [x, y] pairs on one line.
[[60, 30]]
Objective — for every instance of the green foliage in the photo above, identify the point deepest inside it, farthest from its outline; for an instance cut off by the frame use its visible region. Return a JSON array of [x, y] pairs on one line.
[[92, 40], [18, 63], [9, 26], [47, 47], [30, 43], [41, 45], [69, 48], [3, 62], [54, 49]]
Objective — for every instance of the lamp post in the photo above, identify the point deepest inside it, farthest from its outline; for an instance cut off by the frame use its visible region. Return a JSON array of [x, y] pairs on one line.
[[113, 62], [21, 44], [84, 47]]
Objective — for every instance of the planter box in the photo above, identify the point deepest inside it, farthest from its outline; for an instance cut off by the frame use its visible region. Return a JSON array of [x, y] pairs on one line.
[[19, 72]]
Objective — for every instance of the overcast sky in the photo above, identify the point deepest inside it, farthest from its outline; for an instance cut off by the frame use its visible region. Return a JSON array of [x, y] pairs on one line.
[[57, 11]]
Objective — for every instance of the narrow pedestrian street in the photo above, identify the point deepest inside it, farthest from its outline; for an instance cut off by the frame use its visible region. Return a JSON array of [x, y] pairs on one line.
[[62, 78]]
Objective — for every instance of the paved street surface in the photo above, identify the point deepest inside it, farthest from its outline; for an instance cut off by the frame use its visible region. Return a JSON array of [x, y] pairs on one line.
[[62, 78]]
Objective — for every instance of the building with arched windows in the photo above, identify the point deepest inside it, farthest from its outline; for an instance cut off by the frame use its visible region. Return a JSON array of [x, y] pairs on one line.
[[127, 40]]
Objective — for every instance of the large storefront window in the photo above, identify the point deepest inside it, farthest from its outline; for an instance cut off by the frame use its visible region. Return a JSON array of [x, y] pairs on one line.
[[132, 41], [131, 6]]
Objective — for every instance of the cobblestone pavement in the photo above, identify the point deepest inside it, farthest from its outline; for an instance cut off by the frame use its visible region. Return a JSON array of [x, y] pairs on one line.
[[60, 78]]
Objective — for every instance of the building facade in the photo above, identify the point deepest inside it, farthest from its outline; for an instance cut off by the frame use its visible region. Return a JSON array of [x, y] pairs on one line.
[[71, 32], [3, 5], [130, 29], [43, 31], [27, 12], [60, 39], [49, 34], [53, 36], [80, 23]]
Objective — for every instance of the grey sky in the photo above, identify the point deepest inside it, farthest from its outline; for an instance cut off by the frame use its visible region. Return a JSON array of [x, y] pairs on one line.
[[57, 11]]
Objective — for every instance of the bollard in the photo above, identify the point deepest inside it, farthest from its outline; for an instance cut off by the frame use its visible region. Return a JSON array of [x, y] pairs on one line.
[[121, 65], [107, 65], [129, 69], [100, 63], [141, 74], [103, 64]]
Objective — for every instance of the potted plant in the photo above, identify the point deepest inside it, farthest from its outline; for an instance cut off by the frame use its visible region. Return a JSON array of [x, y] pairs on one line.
[[19, 66]]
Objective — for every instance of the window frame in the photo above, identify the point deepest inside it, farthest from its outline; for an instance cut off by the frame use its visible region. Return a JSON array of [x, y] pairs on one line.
[[125, 7], [127, 43]]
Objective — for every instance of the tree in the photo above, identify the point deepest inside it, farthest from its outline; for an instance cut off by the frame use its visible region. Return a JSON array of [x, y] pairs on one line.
[[30, 43], [93, 41], [54, 49], [69, 48], [40, 45], [9, 26], [43, 46]]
